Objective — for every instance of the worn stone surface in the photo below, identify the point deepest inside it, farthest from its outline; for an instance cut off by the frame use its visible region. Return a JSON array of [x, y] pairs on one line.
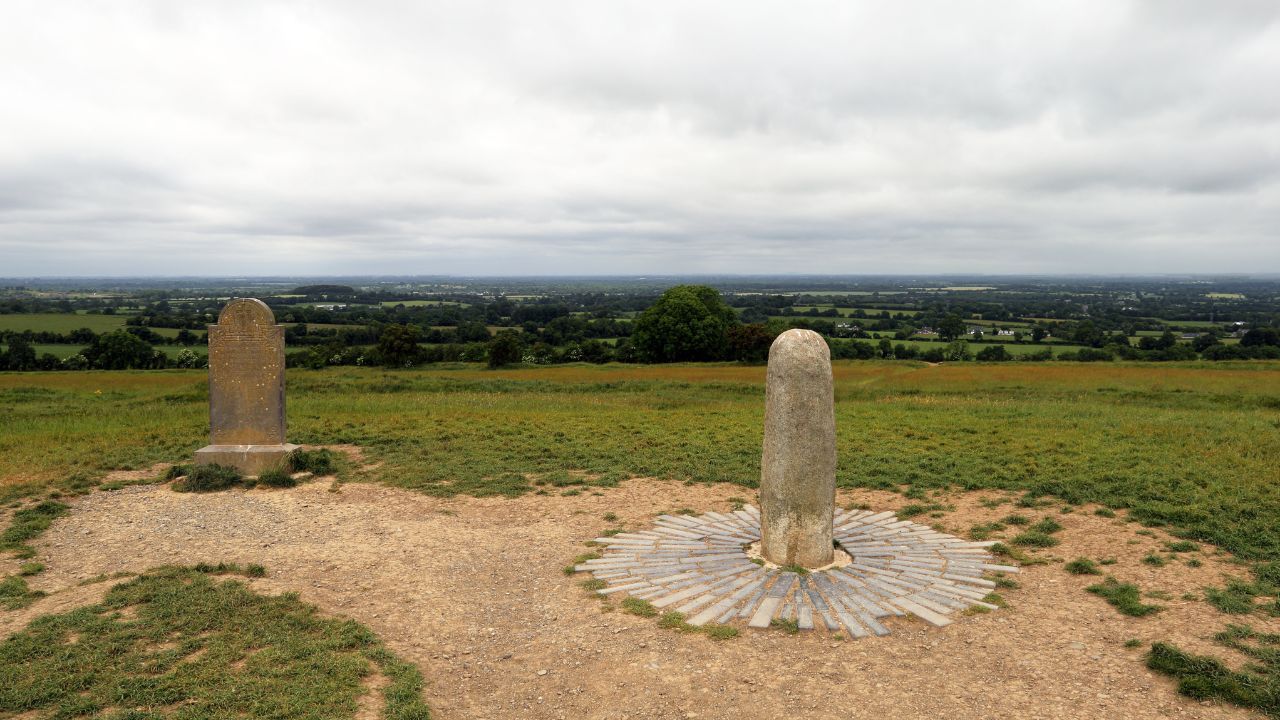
[[798, 466], [246, 389]]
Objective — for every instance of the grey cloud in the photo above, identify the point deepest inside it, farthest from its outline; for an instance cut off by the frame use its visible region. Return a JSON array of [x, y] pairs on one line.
[[581, 137]]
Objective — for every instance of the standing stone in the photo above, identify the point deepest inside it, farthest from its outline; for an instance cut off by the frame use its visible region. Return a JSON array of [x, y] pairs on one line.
[[798, 468], [246, 389]]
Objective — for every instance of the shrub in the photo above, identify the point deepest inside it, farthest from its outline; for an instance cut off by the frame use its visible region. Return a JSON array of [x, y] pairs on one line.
[[209, 478]]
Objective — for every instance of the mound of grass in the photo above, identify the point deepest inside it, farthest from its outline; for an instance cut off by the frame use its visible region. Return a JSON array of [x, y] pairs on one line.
[[1124, 597], [1016, 519], [1048, 526], [1182, 546], [316, 462], [1034, 538], [208, 478], [1155, 560], [29, 523], [1105, 512], [276, 478], [1082, 566], [178, 638]]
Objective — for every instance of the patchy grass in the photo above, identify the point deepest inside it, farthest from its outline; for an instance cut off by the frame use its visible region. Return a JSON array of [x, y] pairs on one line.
[[789, 626], [1082, 566], [317, 462], [1035, 538], [179, 638], [1048, 526], [1256, 685], [15, 595], [1125, 597], [208, 478], [1182, 546], [636, 606], [276, 478], [29, 523]]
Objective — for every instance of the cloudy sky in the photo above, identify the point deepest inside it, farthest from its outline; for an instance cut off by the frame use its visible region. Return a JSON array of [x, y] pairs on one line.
[[601, 136]]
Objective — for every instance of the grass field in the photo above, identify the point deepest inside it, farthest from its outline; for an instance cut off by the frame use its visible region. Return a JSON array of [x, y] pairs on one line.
[[1005, 341], [1183, 444], [61, 323]]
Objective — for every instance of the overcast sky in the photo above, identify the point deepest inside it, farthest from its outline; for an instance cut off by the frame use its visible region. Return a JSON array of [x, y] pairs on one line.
[[473, 137]]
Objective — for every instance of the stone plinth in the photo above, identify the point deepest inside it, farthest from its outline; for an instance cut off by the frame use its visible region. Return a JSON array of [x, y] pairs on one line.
[[798, 465], [246, 389], [248, 459]]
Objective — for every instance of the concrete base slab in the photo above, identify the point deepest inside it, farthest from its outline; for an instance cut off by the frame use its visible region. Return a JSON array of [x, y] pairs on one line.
[[248, 459]]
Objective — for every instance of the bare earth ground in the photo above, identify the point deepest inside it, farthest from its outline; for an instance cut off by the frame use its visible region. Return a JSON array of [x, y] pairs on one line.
[[472, 591]]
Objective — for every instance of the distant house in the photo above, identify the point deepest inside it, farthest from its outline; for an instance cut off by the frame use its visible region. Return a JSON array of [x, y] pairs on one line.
[[1006, 332]]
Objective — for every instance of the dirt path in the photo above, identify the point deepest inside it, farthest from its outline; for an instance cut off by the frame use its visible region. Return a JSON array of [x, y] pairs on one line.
[[472, 591]]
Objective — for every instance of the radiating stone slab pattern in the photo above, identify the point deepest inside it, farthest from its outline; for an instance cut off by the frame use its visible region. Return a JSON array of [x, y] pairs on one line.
[[246, 389], [699, 566]]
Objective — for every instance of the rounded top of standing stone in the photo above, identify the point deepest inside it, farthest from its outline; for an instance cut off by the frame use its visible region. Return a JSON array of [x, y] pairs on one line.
[[797, 345], [246, 312]]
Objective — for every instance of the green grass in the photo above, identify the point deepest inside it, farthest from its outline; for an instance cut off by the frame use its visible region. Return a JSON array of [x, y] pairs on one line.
[[636, 606], [15, 595], [1138, 437], [1035, 538], [208, 478], [1256, 685], [1082, 566], [29, 523], [1124, 597], [61, 322], [181, 643]]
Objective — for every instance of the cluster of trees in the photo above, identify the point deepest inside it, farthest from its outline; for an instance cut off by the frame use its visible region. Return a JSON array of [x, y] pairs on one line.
[[116, 350], [687, 323]]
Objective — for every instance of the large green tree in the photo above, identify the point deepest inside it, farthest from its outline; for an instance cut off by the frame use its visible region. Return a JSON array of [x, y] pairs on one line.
[[398, 345], [688, 323], [120, 350]]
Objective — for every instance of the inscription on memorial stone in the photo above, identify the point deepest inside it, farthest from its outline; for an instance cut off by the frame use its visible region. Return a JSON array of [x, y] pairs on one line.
[[246, 376]]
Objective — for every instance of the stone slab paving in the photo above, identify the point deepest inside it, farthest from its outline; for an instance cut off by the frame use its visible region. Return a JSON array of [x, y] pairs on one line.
[[698, 565]]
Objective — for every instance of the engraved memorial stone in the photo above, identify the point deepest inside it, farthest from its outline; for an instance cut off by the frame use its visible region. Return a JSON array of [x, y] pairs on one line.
[[246, 389]]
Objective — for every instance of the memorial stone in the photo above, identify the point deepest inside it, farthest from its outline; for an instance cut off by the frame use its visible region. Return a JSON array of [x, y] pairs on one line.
[[246, 390]]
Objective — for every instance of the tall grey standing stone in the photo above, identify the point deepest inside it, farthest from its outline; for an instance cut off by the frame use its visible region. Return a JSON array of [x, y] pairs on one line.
[[246, 389], [798, 467]]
